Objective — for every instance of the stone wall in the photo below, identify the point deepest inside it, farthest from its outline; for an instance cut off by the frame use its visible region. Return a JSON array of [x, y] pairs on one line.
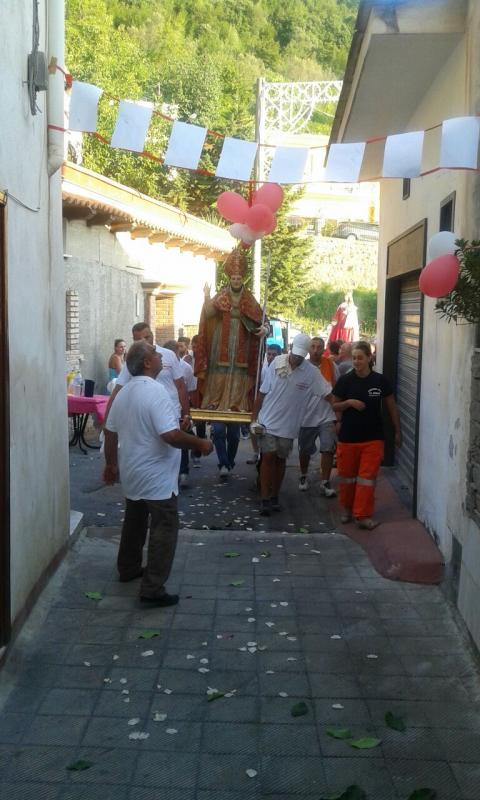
[[473, 462], [345, 264]]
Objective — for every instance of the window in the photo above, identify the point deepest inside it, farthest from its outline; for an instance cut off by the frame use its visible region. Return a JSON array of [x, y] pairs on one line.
[[447, 213], [406, 189]]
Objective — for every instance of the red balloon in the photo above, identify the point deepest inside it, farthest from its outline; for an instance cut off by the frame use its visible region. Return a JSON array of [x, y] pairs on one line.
[[270, 194], [439, 276], [259, 217], [232, 206], [271, 227]]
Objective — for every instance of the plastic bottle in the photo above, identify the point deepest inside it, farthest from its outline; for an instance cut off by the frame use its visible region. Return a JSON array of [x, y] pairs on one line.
[[77, 384]]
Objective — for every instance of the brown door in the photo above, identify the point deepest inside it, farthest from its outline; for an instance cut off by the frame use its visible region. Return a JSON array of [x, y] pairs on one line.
[[4, 440]]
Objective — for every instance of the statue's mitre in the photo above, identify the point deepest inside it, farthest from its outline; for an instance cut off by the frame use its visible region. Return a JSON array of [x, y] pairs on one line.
[[235, 264]]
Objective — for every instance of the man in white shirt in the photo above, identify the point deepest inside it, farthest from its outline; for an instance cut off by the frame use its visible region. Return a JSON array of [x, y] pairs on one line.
[[191, 385], [318, 423], [280, 408], [171, 376], [144, 422]]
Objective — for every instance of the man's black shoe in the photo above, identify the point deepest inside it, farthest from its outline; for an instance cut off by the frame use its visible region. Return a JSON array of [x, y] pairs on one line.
[[265, 508], [275, 505], [127, 578], [160, 602]]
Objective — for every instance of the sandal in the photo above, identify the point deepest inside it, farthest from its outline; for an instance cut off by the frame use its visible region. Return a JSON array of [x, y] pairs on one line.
[[366, 523]]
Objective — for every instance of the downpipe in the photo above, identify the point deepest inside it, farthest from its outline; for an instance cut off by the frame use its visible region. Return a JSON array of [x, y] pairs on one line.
[[55, 94]]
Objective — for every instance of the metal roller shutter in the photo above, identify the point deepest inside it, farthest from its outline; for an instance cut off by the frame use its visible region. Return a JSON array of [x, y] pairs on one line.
[[409, 339]]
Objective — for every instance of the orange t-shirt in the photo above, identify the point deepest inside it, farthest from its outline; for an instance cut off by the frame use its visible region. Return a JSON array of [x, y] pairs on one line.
[[328, 370]]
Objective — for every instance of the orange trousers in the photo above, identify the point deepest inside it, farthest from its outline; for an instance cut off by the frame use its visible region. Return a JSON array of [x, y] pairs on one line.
[[357, 466]]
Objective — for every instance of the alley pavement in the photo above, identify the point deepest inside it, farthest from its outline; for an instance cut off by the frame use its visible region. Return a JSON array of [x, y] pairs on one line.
[[290, 670]]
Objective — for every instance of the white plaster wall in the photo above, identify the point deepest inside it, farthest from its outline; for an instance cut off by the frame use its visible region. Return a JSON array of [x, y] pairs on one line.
[[108, 270], [38, 419], [446, 356]]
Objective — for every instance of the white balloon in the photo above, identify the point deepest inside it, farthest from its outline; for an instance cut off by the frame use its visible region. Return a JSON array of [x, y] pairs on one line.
[[237, 230], [441, 244], [249, 236]]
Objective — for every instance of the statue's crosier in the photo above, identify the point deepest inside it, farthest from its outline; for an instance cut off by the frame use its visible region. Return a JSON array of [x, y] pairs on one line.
[[229, 337]]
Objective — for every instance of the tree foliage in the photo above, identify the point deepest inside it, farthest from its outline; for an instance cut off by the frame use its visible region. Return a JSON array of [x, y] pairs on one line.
[[463, 303]]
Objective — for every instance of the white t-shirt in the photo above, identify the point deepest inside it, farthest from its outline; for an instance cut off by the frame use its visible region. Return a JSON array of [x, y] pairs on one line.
[[188, 376], [287, 395], [140, 413], [318, 411], [169, 373]]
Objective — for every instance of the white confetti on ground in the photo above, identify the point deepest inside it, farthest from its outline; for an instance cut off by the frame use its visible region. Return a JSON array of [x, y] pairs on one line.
[[282, 694], [134, 721], [158, 717], [255, 560], [335, 636], [337, 706], [167, 691], [115, 657], [276, 580], [189, 657], [248, 608], [123, 680], [203, 670], [283, 603], [273, 605], [292, 638], [87, 664], [171, 731], [291, 658], [269, 624], [204, 661], [138, 735], [269, 672], [107, 680], [147, 653], [372, 655], [251, 772], [251, 619]]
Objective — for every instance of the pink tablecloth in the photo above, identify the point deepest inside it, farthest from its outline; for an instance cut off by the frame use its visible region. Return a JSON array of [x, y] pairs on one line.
[[88, 405]]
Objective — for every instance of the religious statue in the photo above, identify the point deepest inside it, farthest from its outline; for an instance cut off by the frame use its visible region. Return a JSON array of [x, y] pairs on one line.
[[344, 324], [229, 337]]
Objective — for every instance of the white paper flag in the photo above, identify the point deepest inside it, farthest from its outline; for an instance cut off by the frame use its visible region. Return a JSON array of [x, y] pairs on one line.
[[83, 107], [344, 162], [288, 165], [185, 145], [132, 124], [236, 159], [403, 155], [459, 146]]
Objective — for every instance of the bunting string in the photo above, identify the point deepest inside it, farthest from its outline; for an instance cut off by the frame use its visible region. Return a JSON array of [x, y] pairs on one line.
[[403, 153]]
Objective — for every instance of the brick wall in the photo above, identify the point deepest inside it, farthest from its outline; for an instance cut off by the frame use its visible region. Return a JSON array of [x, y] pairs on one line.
[[164, 319], [473, 463], [72, 328]]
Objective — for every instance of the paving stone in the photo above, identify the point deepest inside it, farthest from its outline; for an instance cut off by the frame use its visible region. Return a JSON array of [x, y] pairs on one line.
[[369, 773], [437, 775], [110, 766], [468, 778], [233, 709], [80, 677], [231, 738], [30, 791], [278, 740], [140, 793], [96, 792], [111, 704], [288, 774], [13, 726], [55, 730], [30, 762], [229, 772], [69, 701], [353, 712], [160, 769], [278, 710]]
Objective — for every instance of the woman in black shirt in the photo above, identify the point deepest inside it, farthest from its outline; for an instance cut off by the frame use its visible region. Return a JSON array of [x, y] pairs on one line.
[[359, 395]]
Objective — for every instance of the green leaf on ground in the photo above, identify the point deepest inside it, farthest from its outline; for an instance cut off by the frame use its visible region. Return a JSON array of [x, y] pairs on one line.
[[93, 595], [353, 792], [299, 709], [423, 794], [231, 555], [339, 733], [265, 553], [215, 696], [302, 530], [237, 583], [395, 723], [148, 634], [365, 743], [80, 765]]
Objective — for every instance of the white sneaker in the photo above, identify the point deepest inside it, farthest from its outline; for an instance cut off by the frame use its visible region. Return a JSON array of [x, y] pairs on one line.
[[303, 483], [327, 490], [224, 471], [196, 463], [183, 480]]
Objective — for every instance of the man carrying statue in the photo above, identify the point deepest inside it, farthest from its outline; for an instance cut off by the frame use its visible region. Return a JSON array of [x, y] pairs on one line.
[[229, 337]]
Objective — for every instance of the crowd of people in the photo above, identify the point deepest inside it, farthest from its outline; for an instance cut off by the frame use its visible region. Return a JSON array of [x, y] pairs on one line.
[[330, 398], [326, 397]]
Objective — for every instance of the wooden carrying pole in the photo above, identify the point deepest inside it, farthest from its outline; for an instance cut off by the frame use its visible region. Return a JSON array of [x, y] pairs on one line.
[[264, 309]]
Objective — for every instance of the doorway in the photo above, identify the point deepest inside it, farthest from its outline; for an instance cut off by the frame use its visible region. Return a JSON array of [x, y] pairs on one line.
[[4, 437]]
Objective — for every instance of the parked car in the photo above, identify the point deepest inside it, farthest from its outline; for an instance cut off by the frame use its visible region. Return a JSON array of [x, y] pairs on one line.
[[364, 231]]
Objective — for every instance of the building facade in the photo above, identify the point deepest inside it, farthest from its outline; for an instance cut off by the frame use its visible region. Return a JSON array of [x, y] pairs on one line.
[[426, 56], [129, 258], [34, 502]]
